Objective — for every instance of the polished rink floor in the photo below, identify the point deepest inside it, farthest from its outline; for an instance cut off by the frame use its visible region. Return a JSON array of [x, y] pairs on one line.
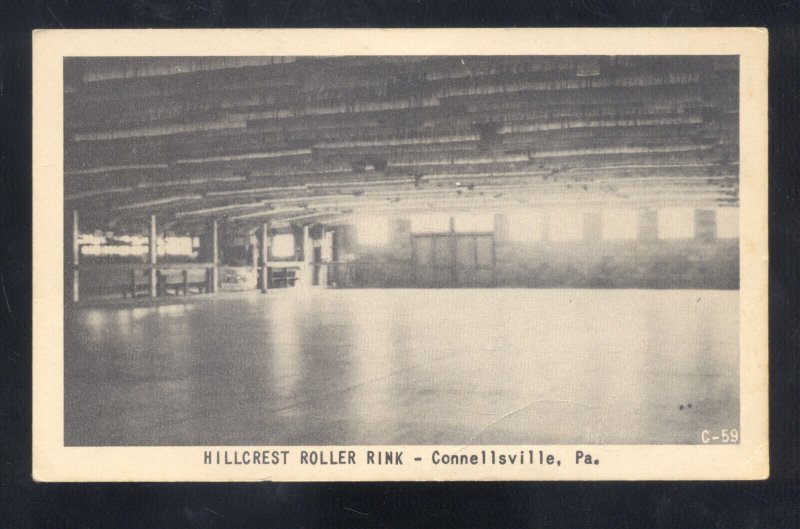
[[405, 367]]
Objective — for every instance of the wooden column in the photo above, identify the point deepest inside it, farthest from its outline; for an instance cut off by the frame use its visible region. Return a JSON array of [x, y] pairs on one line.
[[494, 260], [336, 253], [76, 254], [253, 249], [263, 257], [326, 255], [214, 256], [452, 241], [153, 256], [308, 258]]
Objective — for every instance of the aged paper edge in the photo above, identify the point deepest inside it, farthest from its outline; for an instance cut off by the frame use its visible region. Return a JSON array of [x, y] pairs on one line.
[[54, 462]]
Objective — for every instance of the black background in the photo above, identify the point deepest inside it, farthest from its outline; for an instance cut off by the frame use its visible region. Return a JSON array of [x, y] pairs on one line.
[[768, 504]]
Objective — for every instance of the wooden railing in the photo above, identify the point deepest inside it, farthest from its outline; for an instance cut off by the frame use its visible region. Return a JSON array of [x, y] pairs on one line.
[[179, 279]]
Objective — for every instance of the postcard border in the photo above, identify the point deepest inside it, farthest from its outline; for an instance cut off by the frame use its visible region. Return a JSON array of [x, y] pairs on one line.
[[54, 462]]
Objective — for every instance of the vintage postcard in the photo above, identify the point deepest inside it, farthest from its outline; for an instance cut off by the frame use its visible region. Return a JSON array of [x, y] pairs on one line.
[[346, 255]]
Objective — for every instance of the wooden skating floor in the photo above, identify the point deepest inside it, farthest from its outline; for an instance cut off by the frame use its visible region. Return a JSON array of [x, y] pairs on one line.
[[350, 367]]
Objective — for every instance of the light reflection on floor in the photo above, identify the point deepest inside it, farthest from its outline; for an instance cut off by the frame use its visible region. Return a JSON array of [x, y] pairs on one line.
[[405, 367]]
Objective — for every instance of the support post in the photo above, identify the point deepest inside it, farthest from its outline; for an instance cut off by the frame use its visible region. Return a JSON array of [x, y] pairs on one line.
[[326, 254], [308, 257], [453, 243], [494, 260], [253, 245], [263, 256], [76, 255], [214, 255], [335, 273], [153, 256]]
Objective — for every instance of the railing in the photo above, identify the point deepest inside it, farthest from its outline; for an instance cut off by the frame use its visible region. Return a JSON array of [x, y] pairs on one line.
[[170, 278]]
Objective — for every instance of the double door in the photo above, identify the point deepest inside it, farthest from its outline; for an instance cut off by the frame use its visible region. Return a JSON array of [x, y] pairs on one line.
[[443, 260]]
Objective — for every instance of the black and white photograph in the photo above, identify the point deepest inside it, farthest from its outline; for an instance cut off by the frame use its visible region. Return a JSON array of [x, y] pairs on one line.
[[354, 250]]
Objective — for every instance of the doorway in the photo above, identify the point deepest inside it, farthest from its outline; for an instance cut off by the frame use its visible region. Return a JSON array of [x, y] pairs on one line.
[[452, 260]]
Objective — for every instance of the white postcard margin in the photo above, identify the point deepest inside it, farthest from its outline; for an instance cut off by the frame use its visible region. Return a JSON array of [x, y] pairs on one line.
[[52, 461]]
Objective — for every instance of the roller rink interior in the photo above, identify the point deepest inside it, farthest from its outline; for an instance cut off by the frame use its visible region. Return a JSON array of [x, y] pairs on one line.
[[404, 366]]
